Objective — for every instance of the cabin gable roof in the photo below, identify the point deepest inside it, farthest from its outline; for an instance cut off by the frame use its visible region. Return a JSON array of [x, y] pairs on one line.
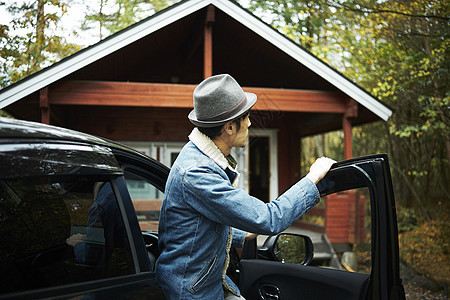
[[257, 34]]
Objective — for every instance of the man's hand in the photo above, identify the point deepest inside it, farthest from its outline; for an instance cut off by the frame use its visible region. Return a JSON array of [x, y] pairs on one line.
[[75, 239], [319, 169]]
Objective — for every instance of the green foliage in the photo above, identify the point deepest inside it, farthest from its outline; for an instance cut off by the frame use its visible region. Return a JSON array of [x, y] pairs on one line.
[[110, 16], [312, 219], [411, 75], [313, 147], [4, 114], [303, 21], [28, 43], [291, 249], [398, 51], [364, 253], [407, 219]]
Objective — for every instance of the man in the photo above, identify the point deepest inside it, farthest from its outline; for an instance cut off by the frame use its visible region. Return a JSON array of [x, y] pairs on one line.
[[104, 217], [203, 214]]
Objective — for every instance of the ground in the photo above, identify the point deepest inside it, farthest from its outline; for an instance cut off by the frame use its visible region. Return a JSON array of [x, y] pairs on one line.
[[415, 293], [425, 260]]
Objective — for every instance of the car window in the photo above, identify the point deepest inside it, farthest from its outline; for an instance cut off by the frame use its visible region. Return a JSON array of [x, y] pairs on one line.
[[345, 219], [60, 231], [147, 200]]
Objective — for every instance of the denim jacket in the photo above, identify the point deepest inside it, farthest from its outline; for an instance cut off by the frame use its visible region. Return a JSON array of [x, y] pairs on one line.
[[199, 207]]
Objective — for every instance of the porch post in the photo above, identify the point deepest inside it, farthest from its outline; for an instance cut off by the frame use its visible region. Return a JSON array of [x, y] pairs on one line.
[[347, 128], [350, 112], [44, 105], [207, 56]]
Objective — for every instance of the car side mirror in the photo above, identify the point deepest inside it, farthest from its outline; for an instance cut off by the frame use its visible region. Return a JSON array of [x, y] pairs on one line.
[[288, 248]]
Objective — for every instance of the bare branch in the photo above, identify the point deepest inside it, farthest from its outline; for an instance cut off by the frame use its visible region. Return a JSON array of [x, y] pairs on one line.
[[366, 9]]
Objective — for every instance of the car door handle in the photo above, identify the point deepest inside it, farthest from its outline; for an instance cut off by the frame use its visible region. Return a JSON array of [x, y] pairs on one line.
[[269, 292]]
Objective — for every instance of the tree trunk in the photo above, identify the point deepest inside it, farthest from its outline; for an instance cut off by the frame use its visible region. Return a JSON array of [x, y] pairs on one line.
[[40, 38]]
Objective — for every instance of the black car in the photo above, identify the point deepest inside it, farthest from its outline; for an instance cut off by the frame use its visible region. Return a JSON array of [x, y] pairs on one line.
[[71, 225]]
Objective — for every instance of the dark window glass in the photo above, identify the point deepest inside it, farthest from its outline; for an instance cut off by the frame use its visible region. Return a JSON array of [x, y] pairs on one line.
[[147, 200], [173, 157], [57, 232]]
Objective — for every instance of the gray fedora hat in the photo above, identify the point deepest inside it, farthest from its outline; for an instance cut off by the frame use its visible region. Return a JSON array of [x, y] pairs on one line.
[[219, 99]]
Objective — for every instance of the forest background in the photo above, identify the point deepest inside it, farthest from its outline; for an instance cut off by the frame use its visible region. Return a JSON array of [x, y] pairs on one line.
[[395, 50]]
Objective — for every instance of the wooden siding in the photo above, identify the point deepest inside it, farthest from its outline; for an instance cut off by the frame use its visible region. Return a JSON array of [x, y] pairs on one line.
[[344, 217]]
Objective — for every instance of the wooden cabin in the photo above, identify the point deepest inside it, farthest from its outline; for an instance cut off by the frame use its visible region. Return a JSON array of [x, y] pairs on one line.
[[136, 87]]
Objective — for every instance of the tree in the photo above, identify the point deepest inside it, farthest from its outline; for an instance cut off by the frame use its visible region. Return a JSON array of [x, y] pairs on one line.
[[28, 43], [398, 51], [407, 67], [304, 21], [110, 16]]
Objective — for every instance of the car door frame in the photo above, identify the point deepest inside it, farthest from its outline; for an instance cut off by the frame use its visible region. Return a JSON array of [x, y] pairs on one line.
[[384, 281]]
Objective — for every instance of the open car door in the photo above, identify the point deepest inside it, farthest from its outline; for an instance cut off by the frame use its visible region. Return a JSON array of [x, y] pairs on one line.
[[263, 279]]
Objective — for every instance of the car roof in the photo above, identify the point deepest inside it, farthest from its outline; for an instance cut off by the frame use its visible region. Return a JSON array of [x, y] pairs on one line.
[[19, 129], [14, 130]]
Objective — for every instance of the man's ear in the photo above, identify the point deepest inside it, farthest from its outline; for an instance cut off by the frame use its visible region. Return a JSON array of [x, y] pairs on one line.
[[228, 128]]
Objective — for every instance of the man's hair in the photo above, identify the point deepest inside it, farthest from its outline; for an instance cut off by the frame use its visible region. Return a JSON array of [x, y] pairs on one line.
[[213, 132]]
